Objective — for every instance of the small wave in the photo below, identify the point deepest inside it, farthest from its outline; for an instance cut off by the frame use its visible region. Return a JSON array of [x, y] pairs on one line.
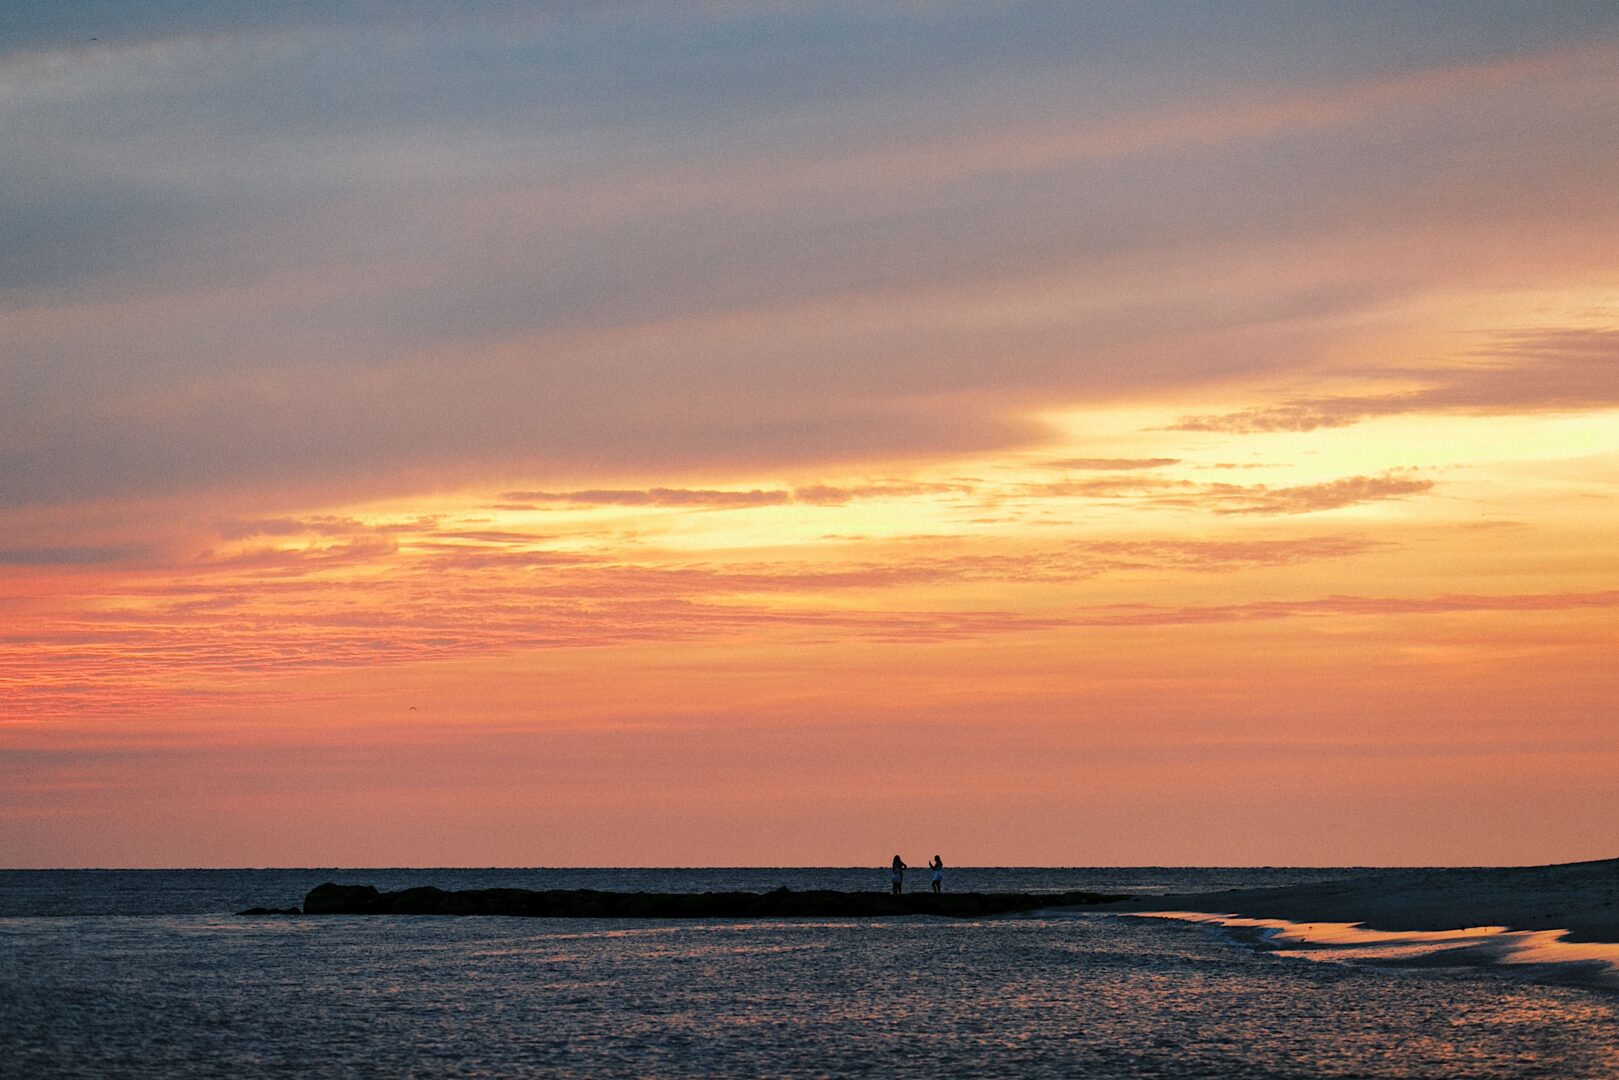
[[1541, 954]]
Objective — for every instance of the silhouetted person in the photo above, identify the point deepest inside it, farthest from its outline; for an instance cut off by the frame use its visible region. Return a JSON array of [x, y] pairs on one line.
[[896, 875], [938, 874]]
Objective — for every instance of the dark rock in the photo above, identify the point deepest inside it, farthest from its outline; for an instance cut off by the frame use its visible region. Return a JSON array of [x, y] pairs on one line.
[[333, 899], [330, 899]]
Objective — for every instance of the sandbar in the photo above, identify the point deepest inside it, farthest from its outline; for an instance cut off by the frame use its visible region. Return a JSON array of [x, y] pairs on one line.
[[1581, 898]]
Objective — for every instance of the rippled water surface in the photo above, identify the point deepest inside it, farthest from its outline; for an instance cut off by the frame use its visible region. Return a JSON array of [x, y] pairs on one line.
[[205, 994]]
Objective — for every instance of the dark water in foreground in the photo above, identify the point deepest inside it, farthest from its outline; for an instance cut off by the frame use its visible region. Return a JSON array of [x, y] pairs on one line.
[[198, 992]]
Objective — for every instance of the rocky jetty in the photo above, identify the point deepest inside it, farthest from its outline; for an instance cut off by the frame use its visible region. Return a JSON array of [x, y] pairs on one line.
[[334, 899]]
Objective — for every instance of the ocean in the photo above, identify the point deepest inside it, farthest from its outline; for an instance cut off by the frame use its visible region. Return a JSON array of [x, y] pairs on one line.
[[147, 973]]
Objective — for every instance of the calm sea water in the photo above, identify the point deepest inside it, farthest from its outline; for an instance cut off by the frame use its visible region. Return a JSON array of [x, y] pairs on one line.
[[147, 974]]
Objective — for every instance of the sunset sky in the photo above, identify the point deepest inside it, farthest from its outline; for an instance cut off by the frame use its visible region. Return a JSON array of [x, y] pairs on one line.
[[791, 433]]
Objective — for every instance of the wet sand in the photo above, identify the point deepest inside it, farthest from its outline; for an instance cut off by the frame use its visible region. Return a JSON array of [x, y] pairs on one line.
[[1582, 898]]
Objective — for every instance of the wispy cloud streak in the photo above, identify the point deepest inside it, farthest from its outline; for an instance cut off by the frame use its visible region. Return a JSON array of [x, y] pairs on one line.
[[1555, 370], [1332, 606], [229, 620]]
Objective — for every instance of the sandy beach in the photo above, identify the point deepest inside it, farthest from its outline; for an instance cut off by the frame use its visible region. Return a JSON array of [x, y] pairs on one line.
[[1581, 898]]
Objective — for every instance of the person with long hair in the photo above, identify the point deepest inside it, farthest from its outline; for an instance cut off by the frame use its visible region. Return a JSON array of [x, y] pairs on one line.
[[896, 875], [938, 874]]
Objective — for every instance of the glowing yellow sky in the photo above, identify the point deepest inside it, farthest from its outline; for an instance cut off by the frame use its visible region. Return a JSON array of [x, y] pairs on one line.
[[1067, 463]]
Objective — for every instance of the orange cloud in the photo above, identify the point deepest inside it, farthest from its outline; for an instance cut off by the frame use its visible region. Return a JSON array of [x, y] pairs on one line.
[[816, 495], [1310, 498], [445, 593], [826, 495], [680, 497], [1109, 464], [1134, 615], [1223, 498]]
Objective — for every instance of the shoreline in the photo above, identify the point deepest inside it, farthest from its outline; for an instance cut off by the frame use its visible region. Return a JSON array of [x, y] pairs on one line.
[[1545, 956], [1581, 899]]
